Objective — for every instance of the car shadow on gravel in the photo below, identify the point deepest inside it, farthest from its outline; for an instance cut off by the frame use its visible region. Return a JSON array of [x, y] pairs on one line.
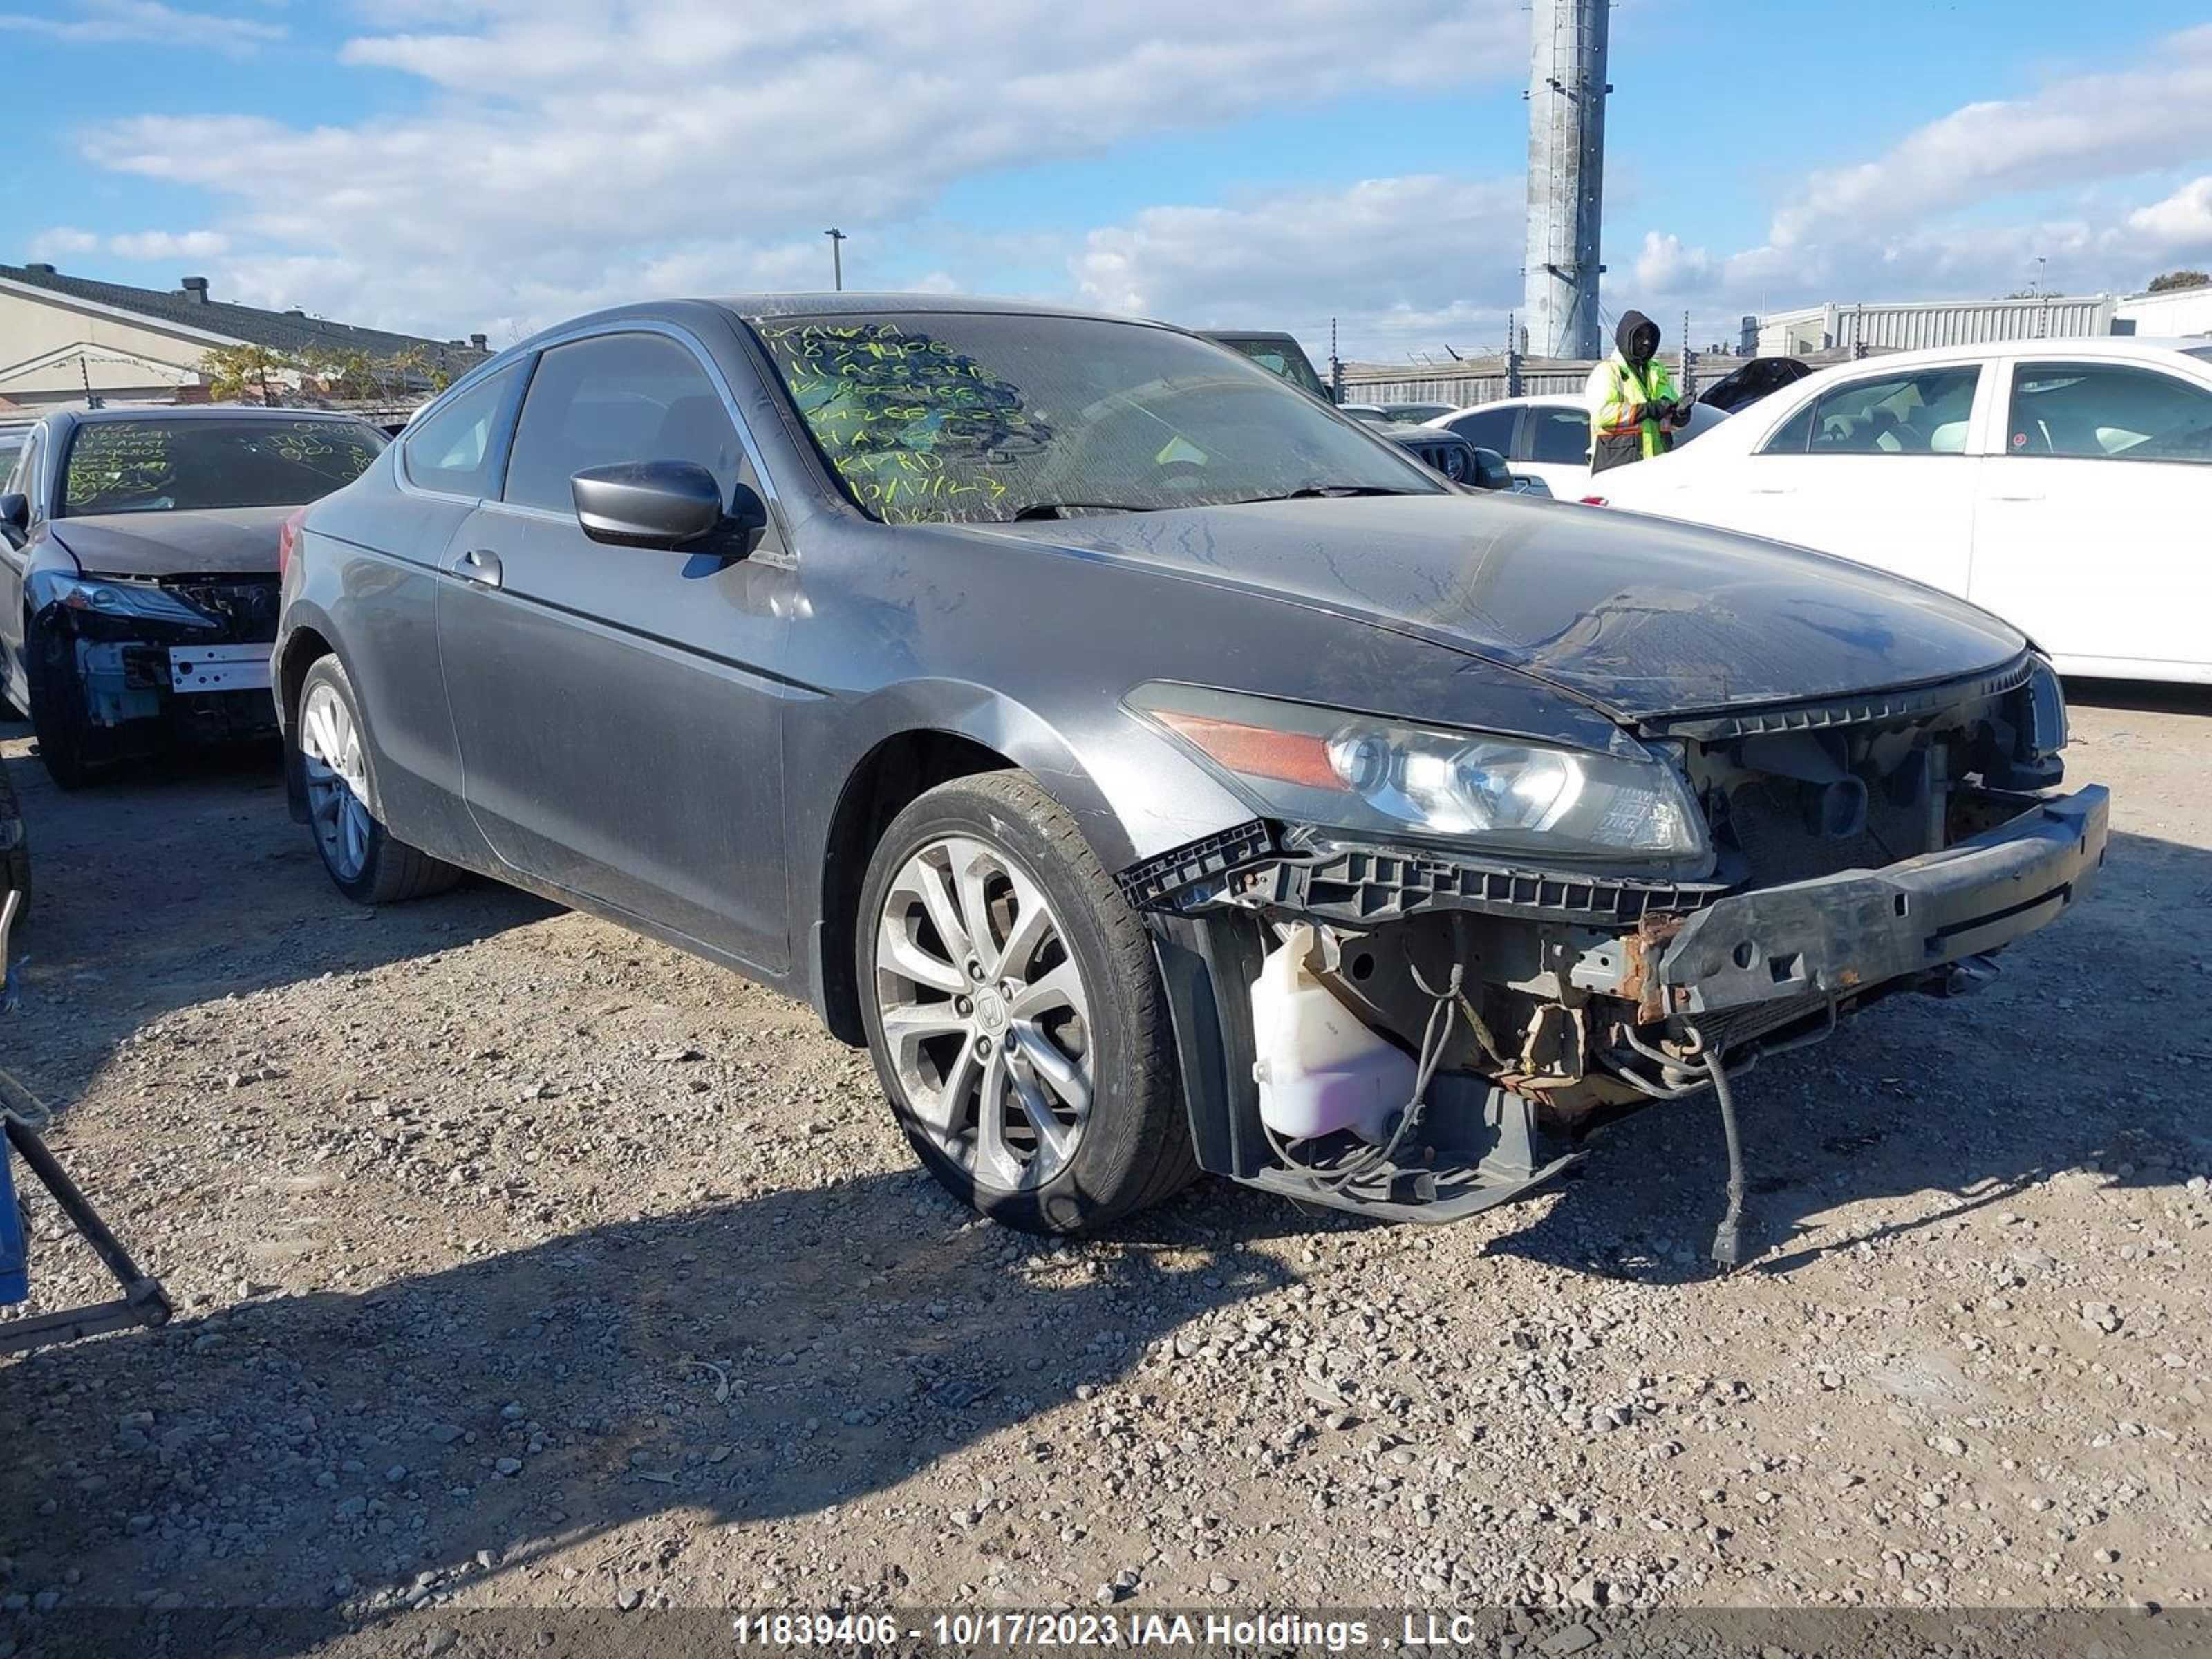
[[184, 882], [2080, 1058], [2148, 696], [740, 1363]]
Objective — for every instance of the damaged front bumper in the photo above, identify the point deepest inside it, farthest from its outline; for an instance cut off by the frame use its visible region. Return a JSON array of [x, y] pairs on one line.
[[1602, 992], [1835, 936], [130, 681]]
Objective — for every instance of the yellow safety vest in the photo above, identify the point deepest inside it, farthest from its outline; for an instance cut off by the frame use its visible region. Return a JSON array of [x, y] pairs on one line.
[[1615, 439]]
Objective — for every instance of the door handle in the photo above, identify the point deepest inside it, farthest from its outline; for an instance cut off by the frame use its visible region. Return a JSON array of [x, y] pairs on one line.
[[480, 567], [1773, 489], [2036, 497]]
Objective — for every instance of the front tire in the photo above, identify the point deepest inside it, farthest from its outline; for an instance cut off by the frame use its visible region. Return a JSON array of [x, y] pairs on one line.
[[1014, 1012], [66, 740], [365, 860]]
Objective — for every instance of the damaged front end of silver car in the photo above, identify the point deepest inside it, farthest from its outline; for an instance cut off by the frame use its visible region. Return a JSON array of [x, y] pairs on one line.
[[1844, 850]]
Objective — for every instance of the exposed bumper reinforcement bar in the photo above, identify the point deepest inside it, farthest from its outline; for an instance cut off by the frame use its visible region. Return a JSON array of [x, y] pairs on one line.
[[1836, 935]]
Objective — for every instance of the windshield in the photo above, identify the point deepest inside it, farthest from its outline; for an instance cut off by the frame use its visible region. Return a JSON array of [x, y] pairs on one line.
[[1279, 356], [959, 418], [182, 465]]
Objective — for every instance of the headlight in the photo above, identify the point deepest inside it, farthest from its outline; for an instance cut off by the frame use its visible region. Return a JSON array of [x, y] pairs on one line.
[[2046, 711], [1360, 772], [141, 599]]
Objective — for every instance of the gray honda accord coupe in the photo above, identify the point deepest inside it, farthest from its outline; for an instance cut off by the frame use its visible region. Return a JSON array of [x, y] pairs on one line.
[[1158, 771]]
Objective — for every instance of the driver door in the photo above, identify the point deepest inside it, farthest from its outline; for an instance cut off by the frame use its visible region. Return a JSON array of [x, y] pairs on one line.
[[617, 709]]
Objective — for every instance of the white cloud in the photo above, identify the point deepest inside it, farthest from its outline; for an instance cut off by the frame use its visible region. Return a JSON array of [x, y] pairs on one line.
[[2182, 223], [168, 245], [61, 241], [100, 22], [2088, 166], [561, 165], [2079, 127], [1665, 266], [1397, 261], [2118, 249]]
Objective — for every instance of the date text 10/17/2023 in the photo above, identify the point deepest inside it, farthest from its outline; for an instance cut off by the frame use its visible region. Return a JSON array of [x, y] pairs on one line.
[[1132, 1631]]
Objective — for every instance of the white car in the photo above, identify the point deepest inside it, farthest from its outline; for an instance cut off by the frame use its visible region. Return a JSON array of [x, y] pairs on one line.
[[2063, 484], [1548, 438]]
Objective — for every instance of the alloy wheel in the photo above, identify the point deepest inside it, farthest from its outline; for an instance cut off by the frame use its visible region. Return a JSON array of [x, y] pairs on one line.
[[984, 1013], [338, 781]]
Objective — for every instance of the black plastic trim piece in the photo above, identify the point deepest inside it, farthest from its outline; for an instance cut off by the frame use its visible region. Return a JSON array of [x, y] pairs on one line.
[[1207, 965], [1862, 709], [1153, 881], [1362, 885]]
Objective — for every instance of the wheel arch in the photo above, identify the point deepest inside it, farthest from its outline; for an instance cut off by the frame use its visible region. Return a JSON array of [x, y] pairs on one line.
[[1131, 794], [304, 644], [896, 771]]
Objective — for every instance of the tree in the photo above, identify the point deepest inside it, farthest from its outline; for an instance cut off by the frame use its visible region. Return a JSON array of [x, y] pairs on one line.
[[2168, 281], [234, 371], [413, 367]]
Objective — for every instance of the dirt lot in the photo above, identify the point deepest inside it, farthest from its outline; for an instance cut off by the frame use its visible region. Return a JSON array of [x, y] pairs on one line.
[[523, 1262]]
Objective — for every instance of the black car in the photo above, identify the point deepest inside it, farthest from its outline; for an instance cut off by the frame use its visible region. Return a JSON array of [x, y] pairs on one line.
[[1019, 687], [1761, 377], [1443, 452], [138, 553]]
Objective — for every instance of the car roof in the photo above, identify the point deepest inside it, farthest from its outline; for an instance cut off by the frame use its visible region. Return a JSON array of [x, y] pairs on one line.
[[753, 308], [1556, 399], [205, 413], [840, 303], [2118, 346]]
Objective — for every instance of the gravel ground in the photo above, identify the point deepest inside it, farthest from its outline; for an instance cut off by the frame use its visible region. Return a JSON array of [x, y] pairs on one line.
[[523, 1262]]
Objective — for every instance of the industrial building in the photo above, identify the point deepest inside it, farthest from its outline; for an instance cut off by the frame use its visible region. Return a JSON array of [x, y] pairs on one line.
[[65, 339], [1906, 325]]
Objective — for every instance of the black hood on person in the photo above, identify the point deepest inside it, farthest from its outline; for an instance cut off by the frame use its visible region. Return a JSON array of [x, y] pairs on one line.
[[1637, 337]]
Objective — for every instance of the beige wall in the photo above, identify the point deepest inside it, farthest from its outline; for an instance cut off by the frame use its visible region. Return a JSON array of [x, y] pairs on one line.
[[30, 328]]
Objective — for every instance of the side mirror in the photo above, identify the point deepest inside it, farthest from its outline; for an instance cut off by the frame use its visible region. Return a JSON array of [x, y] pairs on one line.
[[15, 517], [1491, 471], [658, 504]]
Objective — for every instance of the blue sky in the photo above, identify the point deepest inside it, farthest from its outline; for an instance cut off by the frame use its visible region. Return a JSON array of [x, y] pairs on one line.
[[453, 165]]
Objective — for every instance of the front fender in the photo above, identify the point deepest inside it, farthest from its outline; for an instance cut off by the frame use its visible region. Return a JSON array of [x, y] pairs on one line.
[[1131, 793]]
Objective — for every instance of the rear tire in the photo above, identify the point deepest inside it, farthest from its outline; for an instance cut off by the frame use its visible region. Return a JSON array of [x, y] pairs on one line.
[[365, 860], [1030, 1063]]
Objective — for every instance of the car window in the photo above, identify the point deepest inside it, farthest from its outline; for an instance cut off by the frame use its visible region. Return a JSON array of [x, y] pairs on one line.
[[614, 398], [453, 448], [2107, 412], [1284, 362], [1558, 435], [1921, 413], [974, 417], [157, 465], [24, 478], [1488, 429]]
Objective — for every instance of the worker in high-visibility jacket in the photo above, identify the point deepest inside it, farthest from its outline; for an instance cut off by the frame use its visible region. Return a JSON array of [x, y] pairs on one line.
[[1633, 409]]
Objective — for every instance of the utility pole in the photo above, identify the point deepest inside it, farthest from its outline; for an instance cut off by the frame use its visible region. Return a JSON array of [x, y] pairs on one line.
[[1567, 91], [837, 240]]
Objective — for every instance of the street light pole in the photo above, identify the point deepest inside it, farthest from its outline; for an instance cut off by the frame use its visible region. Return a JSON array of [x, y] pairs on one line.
[[837, 240]]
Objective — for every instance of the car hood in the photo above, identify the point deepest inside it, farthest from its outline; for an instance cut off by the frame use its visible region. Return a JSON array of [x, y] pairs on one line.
[[1637, 616], [216, 542]]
